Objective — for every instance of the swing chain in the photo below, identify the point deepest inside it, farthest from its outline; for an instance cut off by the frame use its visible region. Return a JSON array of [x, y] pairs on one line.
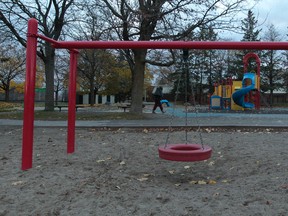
[[173, 111], [185, 72], [193, 98]]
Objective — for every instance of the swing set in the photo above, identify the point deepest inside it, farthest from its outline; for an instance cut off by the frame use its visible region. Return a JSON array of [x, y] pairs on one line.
[[176, 152]]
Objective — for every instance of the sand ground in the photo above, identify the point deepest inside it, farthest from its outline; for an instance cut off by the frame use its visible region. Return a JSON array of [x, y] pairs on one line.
[[119, 173]]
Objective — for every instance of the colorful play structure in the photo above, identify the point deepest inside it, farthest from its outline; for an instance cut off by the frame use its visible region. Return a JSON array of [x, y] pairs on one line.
[[238, 95], [183, 152]]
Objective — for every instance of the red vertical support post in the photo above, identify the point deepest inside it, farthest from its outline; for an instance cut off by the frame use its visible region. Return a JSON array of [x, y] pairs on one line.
[[258, 103], [72, 102], [28, 118]]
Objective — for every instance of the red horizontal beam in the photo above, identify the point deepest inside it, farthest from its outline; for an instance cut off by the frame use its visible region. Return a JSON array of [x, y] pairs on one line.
[[202, 45]]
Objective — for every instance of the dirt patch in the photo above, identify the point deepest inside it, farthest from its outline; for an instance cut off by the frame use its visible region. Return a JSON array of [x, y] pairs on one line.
[[119, 173]]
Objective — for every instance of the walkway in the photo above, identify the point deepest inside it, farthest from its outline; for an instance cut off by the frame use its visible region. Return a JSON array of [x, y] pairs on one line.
[[204, 119]]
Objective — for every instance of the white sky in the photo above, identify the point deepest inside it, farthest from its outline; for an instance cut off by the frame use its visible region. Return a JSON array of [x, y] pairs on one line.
[[269, 12], [273, 12]]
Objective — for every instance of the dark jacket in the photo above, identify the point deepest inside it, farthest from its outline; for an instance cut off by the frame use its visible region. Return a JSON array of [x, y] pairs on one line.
[[158, 93]]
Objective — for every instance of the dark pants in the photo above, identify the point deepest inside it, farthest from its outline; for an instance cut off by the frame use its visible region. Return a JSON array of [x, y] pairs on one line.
[[157, 104]]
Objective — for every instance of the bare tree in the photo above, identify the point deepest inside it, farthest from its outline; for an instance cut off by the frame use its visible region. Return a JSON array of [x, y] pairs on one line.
[[146, 20], [61, 74], [50, 14], [95, 66]]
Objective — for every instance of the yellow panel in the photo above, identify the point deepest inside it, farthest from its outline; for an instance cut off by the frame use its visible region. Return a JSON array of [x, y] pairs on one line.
[[236, 85]]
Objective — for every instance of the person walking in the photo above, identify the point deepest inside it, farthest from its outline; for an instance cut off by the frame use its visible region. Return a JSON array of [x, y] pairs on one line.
[[158, 95]]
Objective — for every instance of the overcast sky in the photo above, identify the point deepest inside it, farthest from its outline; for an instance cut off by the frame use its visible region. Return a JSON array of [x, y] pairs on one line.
[[269, 12], [273, 12]]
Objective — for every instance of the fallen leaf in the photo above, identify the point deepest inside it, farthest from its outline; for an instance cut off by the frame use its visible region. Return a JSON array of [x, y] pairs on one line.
[[211, 163], [201, 182], [225, 181], [186, 167], [171, 172], [17, 183], [208, 130], [193, 182], [142, 179], [178, 184], [100, 161], [122, 163], [212, 182]]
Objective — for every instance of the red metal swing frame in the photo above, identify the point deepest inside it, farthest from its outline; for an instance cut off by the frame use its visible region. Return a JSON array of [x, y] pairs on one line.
[[31, 49]]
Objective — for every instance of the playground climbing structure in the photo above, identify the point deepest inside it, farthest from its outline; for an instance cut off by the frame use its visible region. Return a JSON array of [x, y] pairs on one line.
[[239, 95]]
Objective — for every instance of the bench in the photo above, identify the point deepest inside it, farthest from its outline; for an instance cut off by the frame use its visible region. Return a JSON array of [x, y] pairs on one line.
[[127, 106], [124, 107], [66, 106]]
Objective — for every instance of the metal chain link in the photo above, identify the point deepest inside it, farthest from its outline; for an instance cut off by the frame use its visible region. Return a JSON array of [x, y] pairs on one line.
[[186, 71], [173, 111], [196, 113]]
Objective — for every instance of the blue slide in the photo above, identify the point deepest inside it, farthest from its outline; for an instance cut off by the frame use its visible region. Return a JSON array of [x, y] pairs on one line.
[[238, 96]]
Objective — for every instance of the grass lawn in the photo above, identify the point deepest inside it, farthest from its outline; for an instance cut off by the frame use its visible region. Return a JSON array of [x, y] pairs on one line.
[[12, 111]]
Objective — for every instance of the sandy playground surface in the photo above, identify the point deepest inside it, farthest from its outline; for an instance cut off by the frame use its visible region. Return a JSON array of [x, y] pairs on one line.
[[119, 173]]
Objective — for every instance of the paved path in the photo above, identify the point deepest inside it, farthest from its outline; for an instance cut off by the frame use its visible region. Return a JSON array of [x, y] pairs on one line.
[[166, 120]]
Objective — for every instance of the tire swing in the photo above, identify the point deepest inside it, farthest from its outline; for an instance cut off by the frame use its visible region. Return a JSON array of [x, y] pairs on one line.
[[186, 151]]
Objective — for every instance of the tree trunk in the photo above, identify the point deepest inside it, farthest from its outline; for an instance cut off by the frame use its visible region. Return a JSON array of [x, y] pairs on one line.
[[271, 98], [92, 94], [7, 94], [49, 75], [56, 96], [138, 81]]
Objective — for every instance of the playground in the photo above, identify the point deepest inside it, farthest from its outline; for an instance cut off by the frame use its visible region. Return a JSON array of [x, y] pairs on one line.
[[118, 172], [239, 95]]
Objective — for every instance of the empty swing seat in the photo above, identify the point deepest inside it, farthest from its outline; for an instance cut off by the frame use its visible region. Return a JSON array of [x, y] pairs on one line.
[[184, 152]]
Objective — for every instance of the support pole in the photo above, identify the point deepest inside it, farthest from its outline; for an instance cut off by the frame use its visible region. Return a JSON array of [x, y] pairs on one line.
[[72, 102], [28, 118], [258, 61]]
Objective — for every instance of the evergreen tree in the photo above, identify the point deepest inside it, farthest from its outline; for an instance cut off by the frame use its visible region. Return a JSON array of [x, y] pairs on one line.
[[272, 65], [249, 26], [251, 33], [200, 70], [208, 59], [285, 71]]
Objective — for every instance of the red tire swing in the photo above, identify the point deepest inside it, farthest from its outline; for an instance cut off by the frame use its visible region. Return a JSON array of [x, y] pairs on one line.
[[185, 152]]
